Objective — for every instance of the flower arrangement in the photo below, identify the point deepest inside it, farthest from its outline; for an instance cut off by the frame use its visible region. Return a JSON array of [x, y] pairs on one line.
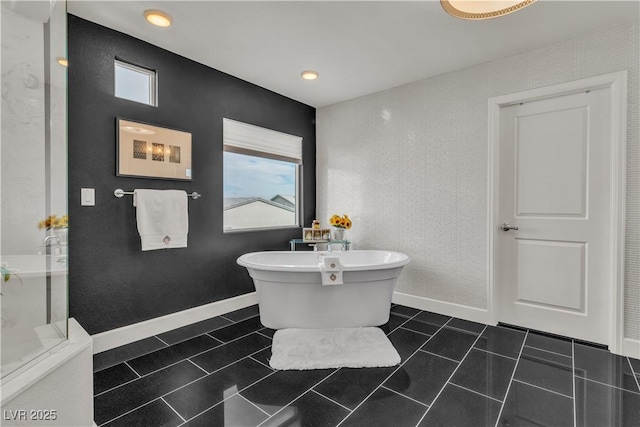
[[340, 221], [55, 222]]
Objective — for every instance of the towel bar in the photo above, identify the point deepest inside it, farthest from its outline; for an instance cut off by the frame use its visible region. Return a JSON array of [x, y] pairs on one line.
[[119, 192]]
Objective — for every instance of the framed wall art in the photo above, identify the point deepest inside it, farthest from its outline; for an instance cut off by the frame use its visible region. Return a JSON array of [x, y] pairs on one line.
[[152, 151]]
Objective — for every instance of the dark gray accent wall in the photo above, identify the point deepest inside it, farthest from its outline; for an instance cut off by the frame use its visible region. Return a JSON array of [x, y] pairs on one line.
[[112, 282]]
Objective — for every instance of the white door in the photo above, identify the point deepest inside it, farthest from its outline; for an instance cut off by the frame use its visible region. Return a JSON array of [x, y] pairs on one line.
[[553, 272]]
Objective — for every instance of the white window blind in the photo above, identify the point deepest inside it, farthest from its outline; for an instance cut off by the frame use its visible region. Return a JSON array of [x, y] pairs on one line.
[[253, 140]]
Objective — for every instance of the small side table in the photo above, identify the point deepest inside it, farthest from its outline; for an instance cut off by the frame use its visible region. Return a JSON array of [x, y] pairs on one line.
[[345, 245]]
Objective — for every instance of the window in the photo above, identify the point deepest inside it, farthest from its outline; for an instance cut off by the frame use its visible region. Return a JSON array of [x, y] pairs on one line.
[[135, 83], [262, 170]]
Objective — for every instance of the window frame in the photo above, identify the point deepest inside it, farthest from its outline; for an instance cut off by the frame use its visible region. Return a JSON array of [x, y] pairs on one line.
[[153, 81], [260, 137]]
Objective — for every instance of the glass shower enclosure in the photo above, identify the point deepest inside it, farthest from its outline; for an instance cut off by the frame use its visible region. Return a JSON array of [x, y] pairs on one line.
[[33, 182]]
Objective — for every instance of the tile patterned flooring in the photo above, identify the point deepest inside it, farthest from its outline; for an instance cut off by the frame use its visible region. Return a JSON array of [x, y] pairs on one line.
[[453, 373]]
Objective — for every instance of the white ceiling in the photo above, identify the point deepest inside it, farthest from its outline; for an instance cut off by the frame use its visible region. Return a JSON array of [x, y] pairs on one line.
[[358, 47]]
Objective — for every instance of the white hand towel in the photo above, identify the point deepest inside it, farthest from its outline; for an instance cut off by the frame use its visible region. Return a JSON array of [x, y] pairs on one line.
[[162, 217], [331, 271], [331, 263]]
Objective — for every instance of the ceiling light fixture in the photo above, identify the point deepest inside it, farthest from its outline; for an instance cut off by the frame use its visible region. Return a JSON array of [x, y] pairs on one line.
[[309, 75], [482, 9], [158, 17]]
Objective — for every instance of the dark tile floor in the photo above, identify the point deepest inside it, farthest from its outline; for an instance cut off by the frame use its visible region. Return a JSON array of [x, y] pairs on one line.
[[453, 373]]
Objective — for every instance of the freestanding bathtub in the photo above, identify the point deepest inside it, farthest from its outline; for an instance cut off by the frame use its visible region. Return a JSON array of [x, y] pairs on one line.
[[291, 294]]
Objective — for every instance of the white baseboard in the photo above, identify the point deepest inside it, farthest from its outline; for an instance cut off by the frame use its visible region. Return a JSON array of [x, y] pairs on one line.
[[460, 311], [130, 333], [631, 348]]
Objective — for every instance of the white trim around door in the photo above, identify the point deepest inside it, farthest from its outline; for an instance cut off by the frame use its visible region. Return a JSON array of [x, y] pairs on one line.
[[617, 82]]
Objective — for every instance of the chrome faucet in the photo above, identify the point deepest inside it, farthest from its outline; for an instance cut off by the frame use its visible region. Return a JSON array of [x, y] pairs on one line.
[[51, 245], [47, 240]]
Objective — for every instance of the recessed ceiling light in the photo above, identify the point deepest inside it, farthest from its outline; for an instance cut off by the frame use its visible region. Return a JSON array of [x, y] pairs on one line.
[[482, 9], [158, 17], [309, 75], [62, 61]]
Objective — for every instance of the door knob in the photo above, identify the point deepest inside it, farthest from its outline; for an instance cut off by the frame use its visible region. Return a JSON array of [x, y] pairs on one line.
[[506, 227]]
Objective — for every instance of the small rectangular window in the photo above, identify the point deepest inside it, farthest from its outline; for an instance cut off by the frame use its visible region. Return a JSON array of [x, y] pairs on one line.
[[262, 170], [135, 83]]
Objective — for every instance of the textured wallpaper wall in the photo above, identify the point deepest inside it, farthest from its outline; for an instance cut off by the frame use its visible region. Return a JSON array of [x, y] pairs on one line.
[[409, 164]]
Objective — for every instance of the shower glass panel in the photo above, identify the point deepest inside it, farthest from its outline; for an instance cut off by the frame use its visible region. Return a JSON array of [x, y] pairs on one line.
[[33, 182]]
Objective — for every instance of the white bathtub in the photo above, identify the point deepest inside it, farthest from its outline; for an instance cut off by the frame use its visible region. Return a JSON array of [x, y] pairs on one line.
[[26, 333], [291, 294]]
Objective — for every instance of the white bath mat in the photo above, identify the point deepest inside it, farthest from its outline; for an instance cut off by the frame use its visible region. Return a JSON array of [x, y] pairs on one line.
[[332, 348]]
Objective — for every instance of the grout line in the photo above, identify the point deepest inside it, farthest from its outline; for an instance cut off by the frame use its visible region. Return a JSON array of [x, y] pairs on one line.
[[609, 385], [121, 361], [573, 377], [197, 366], [495, 354], [476, 392], [402, 314], [542, 388], [182, 360], [463, 330], [253, 404], [633, 373], [298, 397], [157, 370], [216, 341], [207, 350], [552, 352], [197, 379], [406, 328], [237, 338], [262, 363], [266, 336], [226, 318], [257, 361], [211, 336], [173, 409], [452, 374], [156, 337], [403, 323], [118, 386], [404, 395], [198, 335], [175, 363], [395, 370], [438, 355], [134, 371], [331, 400], [217, 370], [163, 341], [229, 397], [128, 412], [513, 374]]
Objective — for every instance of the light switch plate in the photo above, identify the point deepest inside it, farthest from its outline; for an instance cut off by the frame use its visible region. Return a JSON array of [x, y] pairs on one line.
[[87, 196]]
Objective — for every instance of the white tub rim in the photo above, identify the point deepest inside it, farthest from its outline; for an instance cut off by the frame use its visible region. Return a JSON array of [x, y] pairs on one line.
[[245, 260]]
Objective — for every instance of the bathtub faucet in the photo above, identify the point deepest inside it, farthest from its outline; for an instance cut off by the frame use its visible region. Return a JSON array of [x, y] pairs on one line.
[[49, 242]]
